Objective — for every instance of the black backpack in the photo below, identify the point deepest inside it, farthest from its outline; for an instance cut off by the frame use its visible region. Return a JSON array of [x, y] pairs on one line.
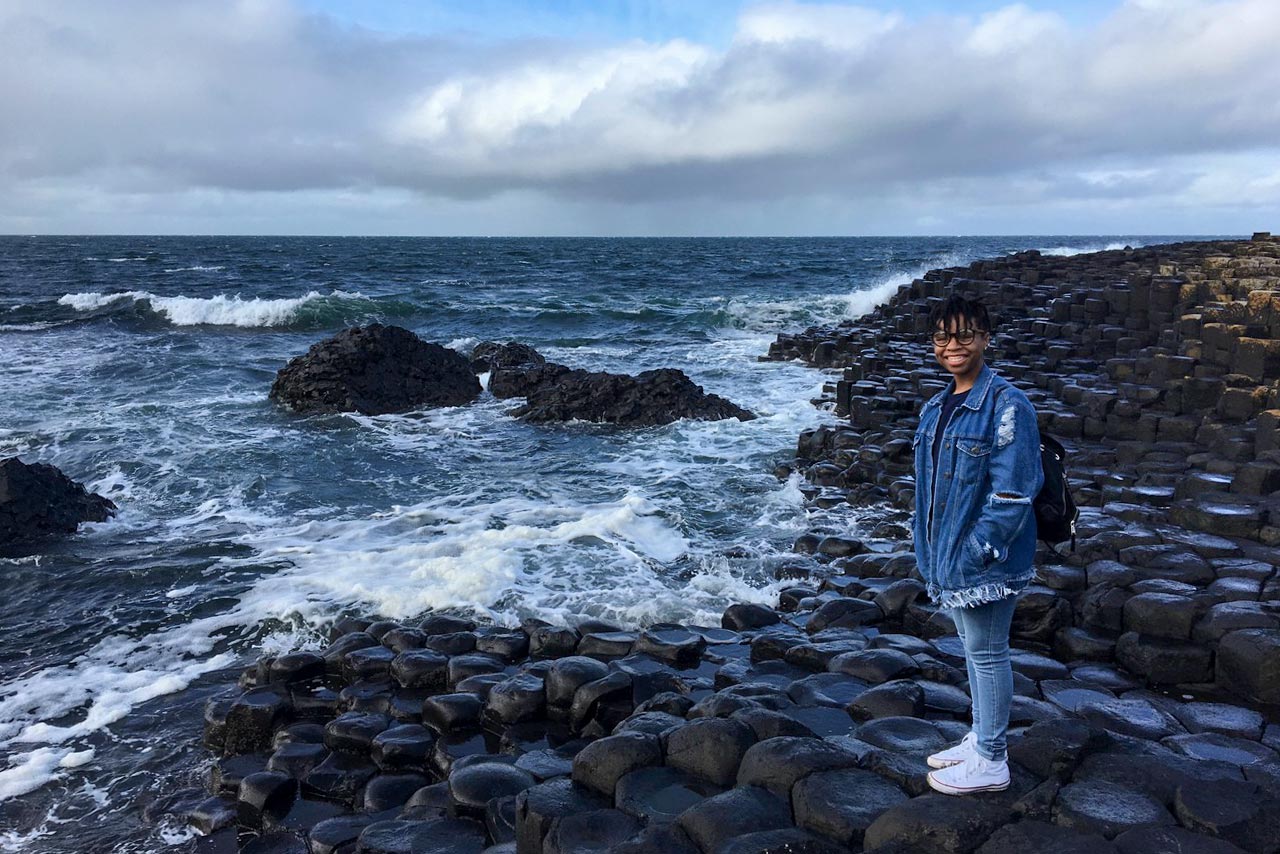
[[1055, 510]]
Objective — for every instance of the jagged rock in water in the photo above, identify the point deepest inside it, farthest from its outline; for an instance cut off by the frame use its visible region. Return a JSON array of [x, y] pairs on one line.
[[650, 398], [373, 370], [38, 501], [491, 356]]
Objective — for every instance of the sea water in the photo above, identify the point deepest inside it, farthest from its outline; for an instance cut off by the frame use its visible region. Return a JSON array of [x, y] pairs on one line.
[[141, 365]]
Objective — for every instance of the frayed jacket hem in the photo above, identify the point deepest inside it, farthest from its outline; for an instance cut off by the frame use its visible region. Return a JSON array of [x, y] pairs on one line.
[[981, 594]]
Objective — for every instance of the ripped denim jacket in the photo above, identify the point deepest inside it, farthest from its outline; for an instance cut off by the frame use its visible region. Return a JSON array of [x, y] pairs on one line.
[[980, 542]]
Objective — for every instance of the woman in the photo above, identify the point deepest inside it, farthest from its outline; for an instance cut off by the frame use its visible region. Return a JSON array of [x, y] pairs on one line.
[[977, 458]]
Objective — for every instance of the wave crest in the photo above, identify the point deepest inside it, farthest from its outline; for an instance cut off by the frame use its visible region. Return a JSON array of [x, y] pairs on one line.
[[219, 310]]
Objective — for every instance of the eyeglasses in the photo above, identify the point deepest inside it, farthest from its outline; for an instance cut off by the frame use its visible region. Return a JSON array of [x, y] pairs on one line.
[[962, 336]]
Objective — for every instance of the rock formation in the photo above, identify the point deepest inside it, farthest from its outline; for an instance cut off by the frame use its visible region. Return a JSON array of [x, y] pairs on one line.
[[39, 501], [373, 370], [649, 398]]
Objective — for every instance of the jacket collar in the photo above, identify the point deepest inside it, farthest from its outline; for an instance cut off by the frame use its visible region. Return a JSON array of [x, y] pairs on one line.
[[977, 394]]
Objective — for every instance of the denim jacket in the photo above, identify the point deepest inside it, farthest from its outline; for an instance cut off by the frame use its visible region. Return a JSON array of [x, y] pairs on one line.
[[981, 542]]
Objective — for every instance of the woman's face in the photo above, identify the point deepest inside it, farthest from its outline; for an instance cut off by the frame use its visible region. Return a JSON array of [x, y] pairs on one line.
[[962, 360]]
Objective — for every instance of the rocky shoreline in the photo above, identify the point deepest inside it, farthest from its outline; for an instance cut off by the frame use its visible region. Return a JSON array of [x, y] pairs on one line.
[[1147, 661]]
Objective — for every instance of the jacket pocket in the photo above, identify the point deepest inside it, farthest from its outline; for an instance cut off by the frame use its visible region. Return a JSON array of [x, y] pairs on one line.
[[973, 459]]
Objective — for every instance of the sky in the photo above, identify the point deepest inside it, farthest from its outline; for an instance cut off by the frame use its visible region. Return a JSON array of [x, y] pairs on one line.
[[639, 117]]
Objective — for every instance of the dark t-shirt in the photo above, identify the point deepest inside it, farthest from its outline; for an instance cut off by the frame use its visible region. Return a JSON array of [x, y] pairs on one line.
[[949, 407]]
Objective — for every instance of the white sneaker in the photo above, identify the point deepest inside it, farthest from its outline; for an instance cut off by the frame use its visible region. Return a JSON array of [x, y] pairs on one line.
[[974, 774], [953, 755]]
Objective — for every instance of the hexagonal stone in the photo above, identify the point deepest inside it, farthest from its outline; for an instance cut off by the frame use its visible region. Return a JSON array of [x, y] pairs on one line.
[[680, 647], [750, 809], [1248, 663], [339, 832], [552, 642], [1135, 717], [937, 823], [600, 764], [817, 657], [1223, 748], [1221, 718], [789, 841], [1053, 748], [844, 613], [339, 777], [710, 748], [473, 786], [826, 689], [403, 746], [521, 697], [1105, 676], [354, 732], [901, 697], [874, 666], [1157, 774], [566, 675], [902, 735], [1070, 695], [390, 791], [539, 807], [842, 804], [507, 644], [1144, 840], [1226, 617], [1241, 813], [597, 830], [441, 836], [1043, 838], [607, 645], [658, 794], [665, 838], [451, 643], [1107, 809], [420, 668], [777, 763], [1036, 666], [1165, 661], [451, 712], [1161, 615]]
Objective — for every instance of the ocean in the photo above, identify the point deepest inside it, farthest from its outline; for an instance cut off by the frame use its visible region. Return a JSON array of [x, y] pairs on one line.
[[141, 365]]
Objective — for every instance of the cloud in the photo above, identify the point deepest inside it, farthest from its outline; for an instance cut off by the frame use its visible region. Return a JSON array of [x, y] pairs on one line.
[[151, 98]]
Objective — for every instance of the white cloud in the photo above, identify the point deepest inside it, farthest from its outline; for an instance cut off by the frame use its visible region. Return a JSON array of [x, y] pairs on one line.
[[146, 100]]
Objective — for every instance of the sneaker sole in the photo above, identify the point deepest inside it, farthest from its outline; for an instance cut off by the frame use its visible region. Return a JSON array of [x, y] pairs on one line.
[[934, 762], [960, 790]]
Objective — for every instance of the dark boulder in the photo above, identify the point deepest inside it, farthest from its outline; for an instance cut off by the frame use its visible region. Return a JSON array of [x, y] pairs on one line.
[[38, 501], [523, 379], [490, 355], [737, 812], [842, 804], [650, 398], [373, 370]]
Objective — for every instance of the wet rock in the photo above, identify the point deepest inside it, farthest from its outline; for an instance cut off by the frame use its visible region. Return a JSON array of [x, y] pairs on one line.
[[276, 842], [1071, 695], [1165, 661], [680, 647], [658, 794], [710, 748], [1240, 813], [373, 370], [337, 650], [226, 773], [369, 663], [817, 656], [842, 804], [826, 689], [267, 794], [845, 613], [1248, 663], [1157, 772], [777, 763], [790, 841], [1039, 614], [737, 812], [1043, 838], [600, 764], [403, 746], [567, 675], [899, 698], [552, 642], [294, 667], [1161, 615], [1107, 809], [902, 735], [1078, 643], [354, 732], [338, 834], [521, 697], [875, 666], [403, 639], [1144, 840], [213, 814], [441, 836], [507, 644], [937, 823], [657, 839], [452, 712], [420, 668], [1135, 717], [490, 355], [1221, 748], [1227, 617], [766, 723], [606, 700], [297, 759], [539, 807], [747, 616], [1221, 718], [649, 398], [654, 723], [607, 645], [473, 786], [339, 777], [253, 717], [583, 833], [391, 791], [1053, 748], [39, 501]]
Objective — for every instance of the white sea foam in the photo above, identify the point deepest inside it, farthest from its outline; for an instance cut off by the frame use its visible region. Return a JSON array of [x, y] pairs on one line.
[[464, 345], [29, 771], [1080, 250], [220, 310], [197, 268]]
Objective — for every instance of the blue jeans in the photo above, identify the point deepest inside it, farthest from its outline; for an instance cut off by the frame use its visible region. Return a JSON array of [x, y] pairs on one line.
[[984, 631]]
